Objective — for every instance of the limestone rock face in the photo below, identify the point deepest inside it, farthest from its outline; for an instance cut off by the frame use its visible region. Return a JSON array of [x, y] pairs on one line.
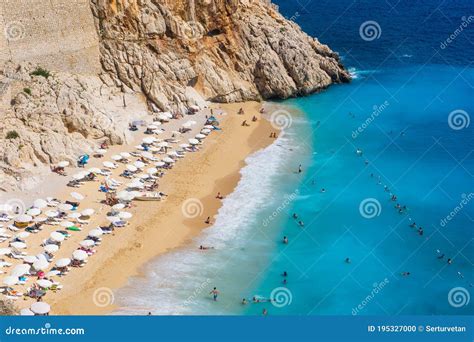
[[227, 50], [45, 120], [156, 54]]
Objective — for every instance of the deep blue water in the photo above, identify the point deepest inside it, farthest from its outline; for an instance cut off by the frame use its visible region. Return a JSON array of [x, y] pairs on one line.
[[396, 111], [412, 84]]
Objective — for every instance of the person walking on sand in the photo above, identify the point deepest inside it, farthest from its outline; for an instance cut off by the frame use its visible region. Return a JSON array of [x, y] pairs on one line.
[[208, 220], [214, 293]]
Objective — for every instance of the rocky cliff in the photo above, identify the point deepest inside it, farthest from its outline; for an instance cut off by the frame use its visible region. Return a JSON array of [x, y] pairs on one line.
[[227, 50], [159, 54]]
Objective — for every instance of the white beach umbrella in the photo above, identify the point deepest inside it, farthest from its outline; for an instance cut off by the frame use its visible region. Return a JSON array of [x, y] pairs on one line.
[[147, 155], [116, 157], [168, 160], [100, 151], [40, 265], [22, 235], [160, 164], [209, 127], [154, 126], [18, 245], [94, 170], [125, 155], [20, 270], [33, 212], [125, 215], [26, 312], [163, 117], [29, 259], [118, 206], [10, 280], [167, 114], [88, 212], [113, 219], [200, 136], [80, 175], [193, 141], [87, 243], [65, 207], [132, 168], [63, 163], [40, 203], [51, 248], [152, 170], [52, 273], [137, 185], [63, 262], [40, 219], [163, 144], [77, 196], [139, 165], [67, 224], [95, 233], [79, 255], [74, 216], [23, 218], [149, 140], [5, 251], [52, 213], [109, 165], [55, 236], [184, 145], [205, 131], [40, 308], [189, 123], [44, 283], [195, 108]]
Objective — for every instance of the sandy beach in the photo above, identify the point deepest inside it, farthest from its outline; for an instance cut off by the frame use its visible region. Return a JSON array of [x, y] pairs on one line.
[[156, 227]]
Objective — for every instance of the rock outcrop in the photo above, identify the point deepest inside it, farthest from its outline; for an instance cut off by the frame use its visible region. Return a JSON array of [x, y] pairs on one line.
[[160, 54], [228, 51]]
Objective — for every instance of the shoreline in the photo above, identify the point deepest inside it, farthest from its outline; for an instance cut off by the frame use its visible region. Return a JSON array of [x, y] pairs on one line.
[[197, 178]]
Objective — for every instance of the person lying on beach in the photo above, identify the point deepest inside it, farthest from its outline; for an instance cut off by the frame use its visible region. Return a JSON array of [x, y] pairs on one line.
[[254, 118], [219, 196], [244, 123], [241, 111], [59, 170], [208, 220], [204, 248]]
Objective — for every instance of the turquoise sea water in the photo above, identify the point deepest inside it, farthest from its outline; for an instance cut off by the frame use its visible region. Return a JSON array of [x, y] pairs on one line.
[[397, 113]]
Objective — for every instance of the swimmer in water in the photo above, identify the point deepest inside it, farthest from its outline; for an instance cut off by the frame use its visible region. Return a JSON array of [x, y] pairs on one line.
[[295, 216], [348, 260], [405, 274], [285, 274], [301, 223], [244, 301], [285, 240], [204, 248]]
